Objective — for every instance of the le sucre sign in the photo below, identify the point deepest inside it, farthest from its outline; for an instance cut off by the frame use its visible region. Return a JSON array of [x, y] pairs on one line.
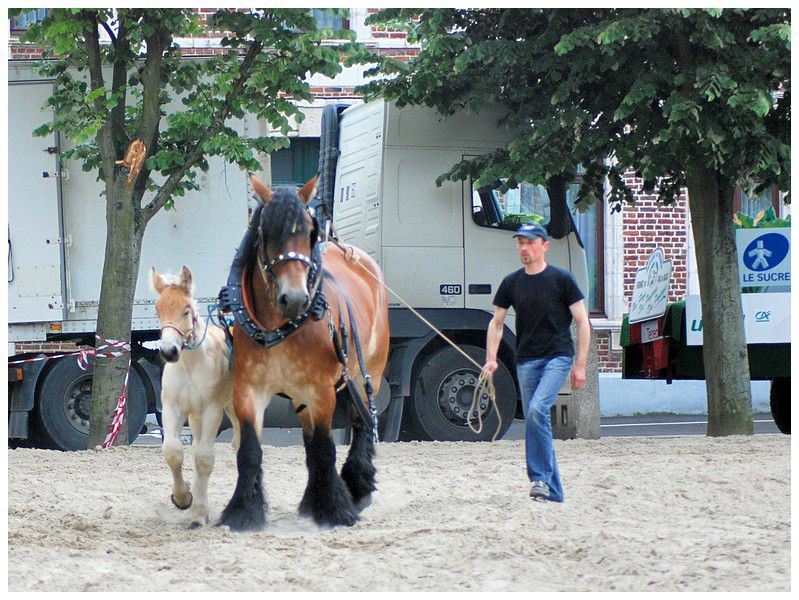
[[651, 288]]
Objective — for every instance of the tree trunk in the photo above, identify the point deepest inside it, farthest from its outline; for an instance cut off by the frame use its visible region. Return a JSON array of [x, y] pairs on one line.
[[729, 401], [120, 270]]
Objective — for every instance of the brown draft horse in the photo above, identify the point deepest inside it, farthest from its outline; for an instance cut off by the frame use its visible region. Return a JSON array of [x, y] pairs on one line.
[[304, 366]]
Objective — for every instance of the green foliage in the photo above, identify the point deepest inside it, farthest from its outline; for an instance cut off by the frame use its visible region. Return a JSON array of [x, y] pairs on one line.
[[516, 220], [766, 219], [662, 91], [195, 97]]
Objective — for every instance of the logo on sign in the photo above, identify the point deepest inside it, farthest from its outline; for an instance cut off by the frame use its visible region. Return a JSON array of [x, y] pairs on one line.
[[766, 252], [763, 316]]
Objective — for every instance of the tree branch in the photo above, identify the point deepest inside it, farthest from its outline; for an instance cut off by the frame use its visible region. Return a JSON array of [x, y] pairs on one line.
[[105, 140], [119, 86], [110, 32], [166, 190]]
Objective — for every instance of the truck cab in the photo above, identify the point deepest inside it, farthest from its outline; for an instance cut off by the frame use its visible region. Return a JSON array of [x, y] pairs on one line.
[[444, 249]]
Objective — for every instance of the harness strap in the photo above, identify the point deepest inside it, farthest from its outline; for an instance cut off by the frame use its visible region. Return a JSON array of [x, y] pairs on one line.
[[370, 414]]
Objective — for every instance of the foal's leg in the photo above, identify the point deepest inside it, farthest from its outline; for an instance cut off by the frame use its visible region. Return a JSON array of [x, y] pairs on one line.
[[173, 418], [204, 428], [247, 508], [236, 441], [326, 497]]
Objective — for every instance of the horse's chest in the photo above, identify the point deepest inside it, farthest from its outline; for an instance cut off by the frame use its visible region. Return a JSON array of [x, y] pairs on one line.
[[196, 387]]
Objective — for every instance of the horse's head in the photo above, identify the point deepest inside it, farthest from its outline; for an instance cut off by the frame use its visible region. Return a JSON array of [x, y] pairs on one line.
[[176, 311], [287, 234]]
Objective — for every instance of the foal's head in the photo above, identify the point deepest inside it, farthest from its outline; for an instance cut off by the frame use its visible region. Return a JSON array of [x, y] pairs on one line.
[[176, 311], [284, 245]]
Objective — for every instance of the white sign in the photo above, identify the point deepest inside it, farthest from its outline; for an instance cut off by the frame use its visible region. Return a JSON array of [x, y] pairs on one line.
[[651, 288], [649, 331], [764, 257], [767, 319]]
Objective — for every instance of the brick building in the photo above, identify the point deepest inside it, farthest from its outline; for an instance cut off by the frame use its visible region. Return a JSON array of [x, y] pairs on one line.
[[617, 244]]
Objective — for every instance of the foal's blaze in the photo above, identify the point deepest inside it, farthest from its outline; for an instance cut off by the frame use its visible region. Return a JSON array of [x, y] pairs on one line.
[[304, 366]]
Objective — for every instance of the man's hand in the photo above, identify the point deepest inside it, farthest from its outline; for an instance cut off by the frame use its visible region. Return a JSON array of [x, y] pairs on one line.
[[490, 367], [578, 376]]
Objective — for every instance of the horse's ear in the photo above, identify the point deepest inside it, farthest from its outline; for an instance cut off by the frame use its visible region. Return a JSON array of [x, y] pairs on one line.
[[264, 193], [185, 279], [308, 191], [156, 282]]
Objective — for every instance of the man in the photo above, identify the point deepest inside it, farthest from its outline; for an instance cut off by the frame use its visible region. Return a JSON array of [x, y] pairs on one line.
[[545, 299]]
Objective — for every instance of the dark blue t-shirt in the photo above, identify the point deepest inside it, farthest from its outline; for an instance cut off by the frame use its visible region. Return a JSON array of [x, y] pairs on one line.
[[543, 318]]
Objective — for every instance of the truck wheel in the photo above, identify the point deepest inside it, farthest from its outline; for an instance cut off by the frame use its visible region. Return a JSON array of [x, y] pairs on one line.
[[781, 403], [64, 404], [442, 395]]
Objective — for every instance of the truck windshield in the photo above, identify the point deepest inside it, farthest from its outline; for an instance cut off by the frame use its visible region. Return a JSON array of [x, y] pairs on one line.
[[508, 210]]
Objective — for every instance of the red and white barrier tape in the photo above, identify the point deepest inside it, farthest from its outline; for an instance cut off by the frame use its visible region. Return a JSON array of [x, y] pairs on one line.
[[105, 349], [119, 413]]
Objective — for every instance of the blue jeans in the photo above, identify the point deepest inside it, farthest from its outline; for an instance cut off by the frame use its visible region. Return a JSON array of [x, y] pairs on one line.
[[540, 379]]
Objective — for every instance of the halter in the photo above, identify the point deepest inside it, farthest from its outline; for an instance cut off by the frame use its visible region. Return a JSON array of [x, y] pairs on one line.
[[185, 336], [231, 297]]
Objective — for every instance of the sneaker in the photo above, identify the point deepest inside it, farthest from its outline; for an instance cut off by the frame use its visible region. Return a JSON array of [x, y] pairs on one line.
[[539, 491]]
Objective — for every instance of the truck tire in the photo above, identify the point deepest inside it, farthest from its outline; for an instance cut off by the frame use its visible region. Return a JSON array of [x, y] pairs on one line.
[[442, 395], [63, 405], [781, 403]]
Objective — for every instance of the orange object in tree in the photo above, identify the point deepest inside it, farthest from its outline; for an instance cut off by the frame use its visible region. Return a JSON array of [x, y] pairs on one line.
[[134, 159]]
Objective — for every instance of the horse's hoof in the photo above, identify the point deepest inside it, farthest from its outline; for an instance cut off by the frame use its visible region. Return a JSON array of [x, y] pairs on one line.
[[363, 503], [191, 499]]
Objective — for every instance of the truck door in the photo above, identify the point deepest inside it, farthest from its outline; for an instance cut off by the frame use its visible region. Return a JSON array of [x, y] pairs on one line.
[[35, 250]]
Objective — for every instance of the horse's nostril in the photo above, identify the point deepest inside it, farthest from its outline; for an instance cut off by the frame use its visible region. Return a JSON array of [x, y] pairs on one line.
[[283, 300]]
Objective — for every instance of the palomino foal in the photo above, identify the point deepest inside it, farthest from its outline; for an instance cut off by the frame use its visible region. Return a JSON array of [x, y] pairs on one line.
[[196, 383]]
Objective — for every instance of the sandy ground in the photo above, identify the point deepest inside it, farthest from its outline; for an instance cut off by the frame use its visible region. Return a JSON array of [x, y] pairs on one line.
[[640, 514]]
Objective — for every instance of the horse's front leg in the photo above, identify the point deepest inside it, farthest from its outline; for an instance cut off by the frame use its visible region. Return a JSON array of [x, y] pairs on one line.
[[204, 428], [172, 419], [247, 508], [359, 471], [326, 496]]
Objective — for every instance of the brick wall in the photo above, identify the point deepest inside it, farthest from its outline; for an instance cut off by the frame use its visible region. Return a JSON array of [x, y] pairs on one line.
[[609, 360], [647, 226]]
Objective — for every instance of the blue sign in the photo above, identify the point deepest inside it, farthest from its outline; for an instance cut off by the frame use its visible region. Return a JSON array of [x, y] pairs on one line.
[[766, 252], [764, 259]]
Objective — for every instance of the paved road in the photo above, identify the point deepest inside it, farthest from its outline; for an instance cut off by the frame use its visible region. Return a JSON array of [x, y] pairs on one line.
[[655, 426], [640, 426]]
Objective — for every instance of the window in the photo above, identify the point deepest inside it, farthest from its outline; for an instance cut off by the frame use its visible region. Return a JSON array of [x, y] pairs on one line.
[[508, 210], [590, 226], [296, 164], [751, 206], [325, 19], [28, 18], [494, 209]]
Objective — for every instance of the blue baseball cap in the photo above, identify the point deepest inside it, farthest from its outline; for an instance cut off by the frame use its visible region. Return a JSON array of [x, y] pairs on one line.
[[532, 231]]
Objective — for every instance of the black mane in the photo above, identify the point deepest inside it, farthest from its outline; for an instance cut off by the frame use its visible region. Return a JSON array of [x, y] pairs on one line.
[[280, 220]]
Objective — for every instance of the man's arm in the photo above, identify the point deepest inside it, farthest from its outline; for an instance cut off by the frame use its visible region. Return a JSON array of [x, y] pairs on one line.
[[493, 338], [580, 316]]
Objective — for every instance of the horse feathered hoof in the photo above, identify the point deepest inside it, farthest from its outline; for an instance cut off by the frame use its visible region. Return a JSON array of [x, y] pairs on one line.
[[175, 502], [244, 516], [246, 510]]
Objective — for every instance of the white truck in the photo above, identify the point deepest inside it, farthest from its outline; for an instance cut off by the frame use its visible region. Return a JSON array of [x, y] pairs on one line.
[[444, 249]]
